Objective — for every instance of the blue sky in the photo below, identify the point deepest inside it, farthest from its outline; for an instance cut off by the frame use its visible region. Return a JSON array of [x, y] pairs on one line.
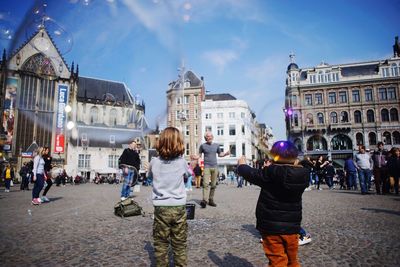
[[239, 47]]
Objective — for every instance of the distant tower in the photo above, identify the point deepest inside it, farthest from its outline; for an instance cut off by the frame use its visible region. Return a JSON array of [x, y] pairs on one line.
[[396, 47]]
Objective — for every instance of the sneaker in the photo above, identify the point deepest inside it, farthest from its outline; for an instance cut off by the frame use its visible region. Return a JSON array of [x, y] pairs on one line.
[[304, 240], [212, 203], [35, 201], [203, 204], [44, 199], [319, 188], [123, 198], [39, 200], [6, 190], [308, 189], [261, 240]]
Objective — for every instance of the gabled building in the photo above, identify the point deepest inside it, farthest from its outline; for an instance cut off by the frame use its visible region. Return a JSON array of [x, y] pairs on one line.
[[184, 97], [85, 121], [331, 109]]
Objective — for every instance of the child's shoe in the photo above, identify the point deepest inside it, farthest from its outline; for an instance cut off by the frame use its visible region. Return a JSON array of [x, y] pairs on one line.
[[305, 239]]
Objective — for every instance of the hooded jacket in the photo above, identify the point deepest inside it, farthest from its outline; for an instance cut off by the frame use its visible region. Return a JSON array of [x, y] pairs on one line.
[[279, 206]]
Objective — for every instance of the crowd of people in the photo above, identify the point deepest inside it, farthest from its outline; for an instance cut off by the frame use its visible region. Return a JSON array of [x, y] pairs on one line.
[[359, 171]]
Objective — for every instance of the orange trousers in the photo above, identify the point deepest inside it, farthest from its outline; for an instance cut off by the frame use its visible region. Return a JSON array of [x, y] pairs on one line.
[[281, 250]]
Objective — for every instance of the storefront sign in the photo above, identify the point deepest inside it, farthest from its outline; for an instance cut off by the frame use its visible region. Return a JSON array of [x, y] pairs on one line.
[[60, 121]]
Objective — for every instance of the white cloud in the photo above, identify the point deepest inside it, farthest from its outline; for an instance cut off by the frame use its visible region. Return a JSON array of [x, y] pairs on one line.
[[220, 58]]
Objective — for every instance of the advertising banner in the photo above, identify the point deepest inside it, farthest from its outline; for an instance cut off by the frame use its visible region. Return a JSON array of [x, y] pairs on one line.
[[9, 111], [60, 120]]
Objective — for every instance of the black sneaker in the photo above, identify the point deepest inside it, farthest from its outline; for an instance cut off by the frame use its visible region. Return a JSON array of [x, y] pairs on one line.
[[203, 204], [212, 203]]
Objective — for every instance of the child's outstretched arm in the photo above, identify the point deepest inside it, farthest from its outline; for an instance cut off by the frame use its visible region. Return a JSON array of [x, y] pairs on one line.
[[254, 176]]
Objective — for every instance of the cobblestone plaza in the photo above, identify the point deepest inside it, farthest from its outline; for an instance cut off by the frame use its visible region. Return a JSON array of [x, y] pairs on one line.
[[78, 228]]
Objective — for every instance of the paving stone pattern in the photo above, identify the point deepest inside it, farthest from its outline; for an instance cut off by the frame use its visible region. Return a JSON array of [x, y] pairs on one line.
[[78, 228]]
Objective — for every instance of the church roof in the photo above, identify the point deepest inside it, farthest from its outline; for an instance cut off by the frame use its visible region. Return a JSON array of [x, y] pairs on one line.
[[220, 97], [92, 88], [98, 136]]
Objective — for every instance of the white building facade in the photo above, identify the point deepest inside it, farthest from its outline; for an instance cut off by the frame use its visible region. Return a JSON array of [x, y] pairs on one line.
[[234, 128]]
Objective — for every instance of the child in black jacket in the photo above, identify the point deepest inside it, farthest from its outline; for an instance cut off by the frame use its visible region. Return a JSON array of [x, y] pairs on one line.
[[279, 206]]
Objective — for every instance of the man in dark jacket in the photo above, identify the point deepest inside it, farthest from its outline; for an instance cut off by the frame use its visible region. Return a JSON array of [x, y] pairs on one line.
[[130, 158], [381, 178], [279, 206]]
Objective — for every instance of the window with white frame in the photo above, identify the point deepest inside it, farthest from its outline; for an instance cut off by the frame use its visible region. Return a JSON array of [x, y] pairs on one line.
[[312, 78], [343, 97], [308, 99], [187, 150], [318, 98], [232, 148], [356, 95], [232, 130], [242, 115], [231, 115], [220, 130], [294, 100], [208, 116], [113, 161], [243, 130], [391, 93], [196, 113], [186, 99], [179, 100], [395, 70], [196, 130], [382, 94], [220, 115], [243, 149], [195, 98], [332, 97], [368, 95], [84, 161], [208, 129], [187, 130], [177, 115]]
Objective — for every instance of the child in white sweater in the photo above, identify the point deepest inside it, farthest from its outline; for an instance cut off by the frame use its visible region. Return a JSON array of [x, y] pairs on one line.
[[169, 198]]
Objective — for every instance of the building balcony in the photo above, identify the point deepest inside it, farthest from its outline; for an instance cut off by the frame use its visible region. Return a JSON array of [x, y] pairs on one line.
[[315, 128], [343, 126]]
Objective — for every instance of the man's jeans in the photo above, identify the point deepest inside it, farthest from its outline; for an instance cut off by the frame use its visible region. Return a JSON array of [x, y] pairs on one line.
[[352, 180], [364, 175], [126, 185]]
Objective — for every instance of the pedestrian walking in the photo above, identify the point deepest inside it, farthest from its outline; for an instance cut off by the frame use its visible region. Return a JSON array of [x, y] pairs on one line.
[[282, 185], [169, 198], [210, 150], [197, 174], [381, 178], [394, 167], [24, 173], [350, 169], [129, 158], [47, 173], [364, 166], [38, 175], [8, 176]]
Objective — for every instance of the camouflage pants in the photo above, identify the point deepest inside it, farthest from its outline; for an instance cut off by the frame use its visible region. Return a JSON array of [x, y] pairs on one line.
[[170, 228]]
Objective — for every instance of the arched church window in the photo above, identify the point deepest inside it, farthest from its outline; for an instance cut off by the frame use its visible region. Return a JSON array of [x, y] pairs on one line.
[[396, 138], [309, 119], [334, 118], [344, 117], [359, 139], [39, 64], [384, 115], [357, 116], [387, 138], [341, 142], [299, 144], [320, 117], [394, 115], [317, 142], [372, 139], [370, 116]]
